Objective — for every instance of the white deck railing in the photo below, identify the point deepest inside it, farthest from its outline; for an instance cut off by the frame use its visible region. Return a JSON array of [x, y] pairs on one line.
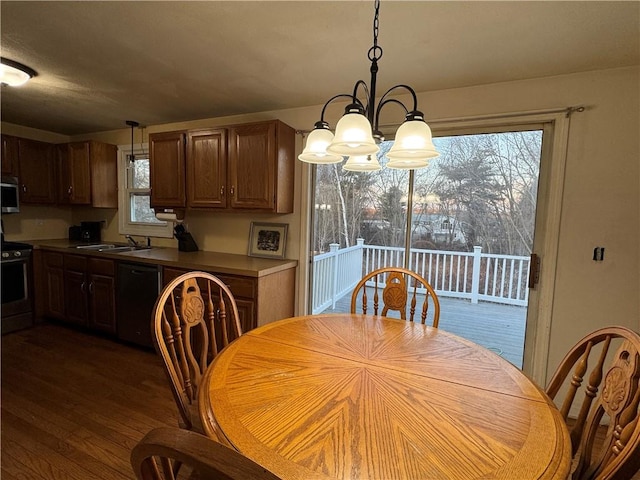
[[470, 275]]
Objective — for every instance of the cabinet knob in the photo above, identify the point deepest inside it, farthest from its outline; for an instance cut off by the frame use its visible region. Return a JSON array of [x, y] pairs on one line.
[[82, 287], [70, 190], [24, 188], [91, 288], [231, 190], [222, 191]]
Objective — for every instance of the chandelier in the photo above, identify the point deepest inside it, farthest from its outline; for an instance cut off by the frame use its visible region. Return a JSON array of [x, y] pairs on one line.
[[357, 133]]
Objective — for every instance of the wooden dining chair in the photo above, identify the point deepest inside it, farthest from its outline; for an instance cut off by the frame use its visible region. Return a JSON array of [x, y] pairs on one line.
[[199, 457], [598, 379], [195, 316], [395, 285]]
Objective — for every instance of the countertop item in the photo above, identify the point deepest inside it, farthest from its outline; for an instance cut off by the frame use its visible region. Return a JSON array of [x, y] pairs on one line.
[[219, 262], [354, 396]]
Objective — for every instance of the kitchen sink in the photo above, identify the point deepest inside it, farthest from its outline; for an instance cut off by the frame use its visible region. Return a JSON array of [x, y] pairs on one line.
[[96, 247], [126, 248], [111, 248]]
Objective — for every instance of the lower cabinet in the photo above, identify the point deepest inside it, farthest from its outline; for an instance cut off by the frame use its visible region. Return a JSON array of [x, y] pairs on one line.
[[260, 300], [81, 289], [89, 292], [53, 285]]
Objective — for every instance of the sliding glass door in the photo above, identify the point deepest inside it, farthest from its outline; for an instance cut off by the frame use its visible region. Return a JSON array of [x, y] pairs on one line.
[[468, 221]]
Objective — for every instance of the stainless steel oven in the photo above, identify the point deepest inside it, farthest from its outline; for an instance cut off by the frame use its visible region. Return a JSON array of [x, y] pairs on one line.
[[17, 300]]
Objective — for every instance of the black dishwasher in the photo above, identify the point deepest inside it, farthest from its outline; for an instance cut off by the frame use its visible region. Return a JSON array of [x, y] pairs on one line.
[[138, 287]]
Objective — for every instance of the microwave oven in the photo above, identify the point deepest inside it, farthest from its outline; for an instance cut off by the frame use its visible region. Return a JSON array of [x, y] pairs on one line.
[[10, 195]]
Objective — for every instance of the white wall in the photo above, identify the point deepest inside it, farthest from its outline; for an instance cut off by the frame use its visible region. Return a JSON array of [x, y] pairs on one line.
[[601, 202]]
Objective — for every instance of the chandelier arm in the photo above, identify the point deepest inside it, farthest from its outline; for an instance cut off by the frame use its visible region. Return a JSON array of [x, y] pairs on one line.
[[354, 97], [406, 87], [383, 103], [340, 95]]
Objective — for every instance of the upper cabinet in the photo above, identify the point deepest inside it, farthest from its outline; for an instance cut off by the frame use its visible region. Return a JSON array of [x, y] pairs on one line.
[[9, 155], [37, 172], [167, 169], [207, 168], [88, 174], [261, 161], [248, 167]]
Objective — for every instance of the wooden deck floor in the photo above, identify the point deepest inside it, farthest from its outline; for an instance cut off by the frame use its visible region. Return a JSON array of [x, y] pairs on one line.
[[500, 328]]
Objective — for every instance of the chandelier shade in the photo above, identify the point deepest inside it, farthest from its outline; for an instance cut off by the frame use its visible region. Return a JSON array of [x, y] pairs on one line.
[[413, 142], [315, 150], [357, 133], [353, 136], [362, 163]]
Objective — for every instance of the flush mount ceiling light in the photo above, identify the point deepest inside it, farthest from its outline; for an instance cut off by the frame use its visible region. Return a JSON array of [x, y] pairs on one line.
[[355, 137], [13, 73]]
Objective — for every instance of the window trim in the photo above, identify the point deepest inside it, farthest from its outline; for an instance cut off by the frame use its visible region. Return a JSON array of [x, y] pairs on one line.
[[125, 226]]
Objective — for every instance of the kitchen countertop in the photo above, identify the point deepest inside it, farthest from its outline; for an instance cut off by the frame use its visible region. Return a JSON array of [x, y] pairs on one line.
[[170, 257]]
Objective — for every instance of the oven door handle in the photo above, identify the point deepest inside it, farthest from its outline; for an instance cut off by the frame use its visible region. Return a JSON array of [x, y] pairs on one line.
[[14, 260]]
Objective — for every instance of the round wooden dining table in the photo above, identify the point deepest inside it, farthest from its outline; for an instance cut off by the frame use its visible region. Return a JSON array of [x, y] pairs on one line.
[[347, 396]]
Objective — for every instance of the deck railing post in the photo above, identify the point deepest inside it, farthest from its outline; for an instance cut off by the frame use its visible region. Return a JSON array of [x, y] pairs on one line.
[[333, 248], [475, 275]]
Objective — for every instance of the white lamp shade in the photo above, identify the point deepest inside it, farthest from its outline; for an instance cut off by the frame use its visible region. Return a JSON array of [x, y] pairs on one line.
[[407, 163], [413, 142], [315, 150], [362, 163], [353, 137], [12, 76]]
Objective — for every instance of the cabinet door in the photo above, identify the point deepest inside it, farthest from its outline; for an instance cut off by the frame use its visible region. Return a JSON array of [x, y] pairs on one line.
[[53, 285], [207, 168], [75, 289], [167, 169], [79, 173], [102, 294], [102, 303], [252, 166], [37, 172], [104, 174], [9, 155], [246, 312]]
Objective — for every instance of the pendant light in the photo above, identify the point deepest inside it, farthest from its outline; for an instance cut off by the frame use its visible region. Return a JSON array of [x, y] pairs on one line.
[[357, 132], [132, 124]]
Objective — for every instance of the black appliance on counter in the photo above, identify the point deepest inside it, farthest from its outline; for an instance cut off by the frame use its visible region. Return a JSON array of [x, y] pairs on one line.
[[186, 243], [17, 286]]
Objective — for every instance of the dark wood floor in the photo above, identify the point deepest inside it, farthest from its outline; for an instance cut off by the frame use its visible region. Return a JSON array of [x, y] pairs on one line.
[[73, 404]]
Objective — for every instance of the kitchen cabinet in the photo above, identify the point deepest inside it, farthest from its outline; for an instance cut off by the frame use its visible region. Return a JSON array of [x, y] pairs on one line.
[[53, 285], [243, 289], [260, 300], [88, 174], [261, 162], [167, 169], [246, 167], [89, 287], [37, 172], [9, 155], [206, 164]]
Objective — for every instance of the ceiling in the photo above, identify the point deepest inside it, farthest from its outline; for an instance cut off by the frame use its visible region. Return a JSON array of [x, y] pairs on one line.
[[101, 63]]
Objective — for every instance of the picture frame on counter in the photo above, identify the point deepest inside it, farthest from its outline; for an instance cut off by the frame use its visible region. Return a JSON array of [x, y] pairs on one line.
[[268, 240]]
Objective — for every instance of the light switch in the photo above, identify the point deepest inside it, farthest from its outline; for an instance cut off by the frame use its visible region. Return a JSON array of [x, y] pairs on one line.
[[598, 254]]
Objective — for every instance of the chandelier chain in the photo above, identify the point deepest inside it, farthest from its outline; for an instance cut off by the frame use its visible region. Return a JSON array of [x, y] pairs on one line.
[[375, 52]]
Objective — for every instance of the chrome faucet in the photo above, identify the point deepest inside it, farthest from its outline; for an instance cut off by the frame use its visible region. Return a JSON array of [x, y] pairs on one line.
[[131, 241]]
